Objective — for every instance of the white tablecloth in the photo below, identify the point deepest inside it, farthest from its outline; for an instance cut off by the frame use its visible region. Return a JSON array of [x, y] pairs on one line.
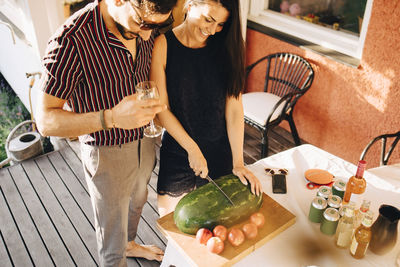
[[302, 244]]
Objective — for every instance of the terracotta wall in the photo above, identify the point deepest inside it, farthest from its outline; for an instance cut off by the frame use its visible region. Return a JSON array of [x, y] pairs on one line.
[[346, 107]]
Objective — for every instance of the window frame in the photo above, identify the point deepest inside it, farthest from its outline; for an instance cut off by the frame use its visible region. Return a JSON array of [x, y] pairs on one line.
[[342, 42]]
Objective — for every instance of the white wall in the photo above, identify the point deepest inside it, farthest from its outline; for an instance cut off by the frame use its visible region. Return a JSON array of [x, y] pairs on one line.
[[42, 17], [244, 9]]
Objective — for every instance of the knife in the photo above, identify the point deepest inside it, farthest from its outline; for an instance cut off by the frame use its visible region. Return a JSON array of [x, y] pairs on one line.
[[219, 188]]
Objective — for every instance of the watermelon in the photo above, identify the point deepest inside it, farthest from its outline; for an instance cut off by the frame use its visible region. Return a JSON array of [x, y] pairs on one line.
[[207, 207]]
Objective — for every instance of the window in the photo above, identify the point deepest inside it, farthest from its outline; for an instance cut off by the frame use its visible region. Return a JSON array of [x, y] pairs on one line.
[[339, 25]]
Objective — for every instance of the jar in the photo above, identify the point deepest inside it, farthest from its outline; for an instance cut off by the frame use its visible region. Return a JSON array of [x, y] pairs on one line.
[[338, 188], [317, 207], [324, 191], [329, 221], [334, 201]]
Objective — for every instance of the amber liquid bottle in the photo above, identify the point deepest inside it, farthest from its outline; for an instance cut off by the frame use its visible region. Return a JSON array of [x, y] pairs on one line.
[[362, 237], [356, 184]]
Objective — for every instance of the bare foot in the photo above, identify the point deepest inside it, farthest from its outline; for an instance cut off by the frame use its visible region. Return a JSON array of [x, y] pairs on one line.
[[149, 252]]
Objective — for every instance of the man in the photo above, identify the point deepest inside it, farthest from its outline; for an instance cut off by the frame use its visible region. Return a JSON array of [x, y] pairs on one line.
[[90, 70]]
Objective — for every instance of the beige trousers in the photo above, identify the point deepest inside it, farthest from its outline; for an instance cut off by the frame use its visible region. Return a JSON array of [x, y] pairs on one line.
[[117, 179]]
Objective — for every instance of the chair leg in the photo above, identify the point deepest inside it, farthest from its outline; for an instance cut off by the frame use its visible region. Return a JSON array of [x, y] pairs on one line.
[[293, 129], [264, 145]]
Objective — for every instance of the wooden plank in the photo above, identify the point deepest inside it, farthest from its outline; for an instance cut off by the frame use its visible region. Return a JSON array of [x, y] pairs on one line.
[[75, 164], [12, 238], [279, 140], [152, 198], [148, 236], [48, 233], [73, 199], [151, 217], [71, 183], [4, 256], [132, 262], [58, 216], [27, 228], [248, 160], [278, 219]]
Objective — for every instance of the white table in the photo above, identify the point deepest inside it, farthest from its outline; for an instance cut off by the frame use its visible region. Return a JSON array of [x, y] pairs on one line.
[[303, 244], [391, 172]]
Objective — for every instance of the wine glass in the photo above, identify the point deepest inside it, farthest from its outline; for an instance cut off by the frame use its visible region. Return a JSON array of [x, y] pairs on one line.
[[148, 90]]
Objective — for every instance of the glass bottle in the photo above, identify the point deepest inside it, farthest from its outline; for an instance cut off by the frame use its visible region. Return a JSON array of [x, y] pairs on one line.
[[356, 184], [344, 231], [359, 214], [343, 208], [362, 237]]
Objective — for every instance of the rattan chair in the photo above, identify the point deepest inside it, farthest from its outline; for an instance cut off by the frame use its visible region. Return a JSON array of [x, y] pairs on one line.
[[287, 78], [385, 156]]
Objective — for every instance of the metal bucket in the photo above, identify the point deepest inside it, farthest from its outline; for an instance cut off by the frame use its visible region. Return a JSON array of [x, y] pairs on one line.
[[23, 146]]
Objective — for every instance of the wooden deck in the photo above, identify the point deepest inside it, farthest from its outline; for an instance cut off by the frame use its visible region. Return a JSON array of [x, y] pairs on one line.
[[46, 217]]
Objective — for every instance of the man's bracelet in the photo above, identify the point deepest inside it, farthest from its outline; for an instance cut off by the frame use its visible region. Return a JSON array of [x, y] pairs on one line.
[[103, 122]]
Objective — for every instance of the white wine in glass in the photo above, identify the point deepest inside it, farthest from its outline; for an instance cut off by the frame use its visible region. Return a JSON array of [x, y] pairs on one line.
[[148, 90]]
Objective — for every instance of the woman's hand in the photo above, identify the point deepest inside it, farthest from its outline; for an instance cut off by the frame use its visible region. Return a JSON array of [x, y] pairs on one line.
[[197, 162], [245, 175]]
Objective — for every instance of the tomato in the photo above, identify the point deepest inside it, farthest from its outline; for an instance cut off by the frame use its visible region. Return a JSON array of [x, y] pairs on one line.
[[220, 231], [215, 245], [258, 219], [236, 237], [202, 235], [250, 230]]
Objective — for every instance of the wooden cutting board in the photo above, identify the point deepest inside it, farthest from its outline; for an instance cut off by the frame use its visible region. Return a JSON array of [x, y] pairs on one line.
[[277, 219]]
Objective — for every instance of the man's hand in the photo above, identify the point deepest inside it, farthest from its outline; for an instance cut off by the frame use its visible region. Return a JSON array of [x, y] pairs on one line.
[[132, 113]]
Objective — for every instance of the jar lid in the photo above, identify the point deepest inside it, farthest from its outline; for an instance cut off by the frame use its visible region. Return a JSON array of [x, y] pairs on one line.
[[324, 191], [319, 203], [331, 214], [339, 185], [334, 201]]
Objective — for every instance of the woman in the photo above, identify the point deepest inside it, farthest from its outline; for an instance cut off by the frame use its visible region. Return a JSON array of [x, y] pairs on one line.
[[199, 70]]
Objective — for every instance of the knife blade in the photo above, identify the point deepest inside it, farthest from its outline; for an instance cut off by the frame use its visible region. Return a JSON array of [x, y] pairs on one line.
[[219, 188]]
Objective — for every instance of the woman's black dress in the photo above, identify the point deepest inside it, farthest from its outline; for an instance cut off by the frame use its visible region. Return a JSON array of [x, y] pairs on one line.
[[197, 98]]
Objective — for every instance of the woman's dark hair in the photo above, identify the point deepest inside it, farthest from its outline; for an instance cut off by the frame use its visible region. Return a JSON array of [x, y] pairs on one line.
[[156, 6], [231, 46], [234, 53]]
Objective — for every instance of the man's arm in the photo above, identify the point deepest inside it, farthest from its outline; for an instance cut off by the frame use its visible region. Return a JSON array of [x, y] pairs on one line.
[[130, 113]]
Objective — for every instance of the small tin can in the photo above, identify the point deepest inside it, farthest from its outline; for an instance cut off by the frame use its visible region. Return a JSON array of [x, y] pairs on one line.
[[329, 221], [317, 207], [338, 188], [334, 201], [324, 191]]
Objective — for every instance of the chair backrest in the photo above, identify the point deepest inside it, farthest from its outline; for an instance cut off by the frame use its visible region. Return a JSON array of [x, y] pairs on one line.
[[384, 155], [286, 74]]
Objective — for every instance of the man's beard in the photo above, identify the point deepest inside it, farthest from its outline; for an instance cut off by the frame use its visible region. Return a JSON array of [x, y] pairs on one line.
[[126, 34]]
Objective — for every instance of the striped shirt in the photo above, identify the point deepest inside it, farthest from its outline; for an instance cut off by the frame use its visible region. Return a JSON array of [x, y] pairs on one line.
[[89, 67]]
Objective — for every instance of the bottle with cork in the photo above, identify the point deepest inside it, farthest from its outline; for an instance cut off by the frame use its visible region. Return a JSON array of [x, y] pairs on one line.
[[357, 183], [359, 214]]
